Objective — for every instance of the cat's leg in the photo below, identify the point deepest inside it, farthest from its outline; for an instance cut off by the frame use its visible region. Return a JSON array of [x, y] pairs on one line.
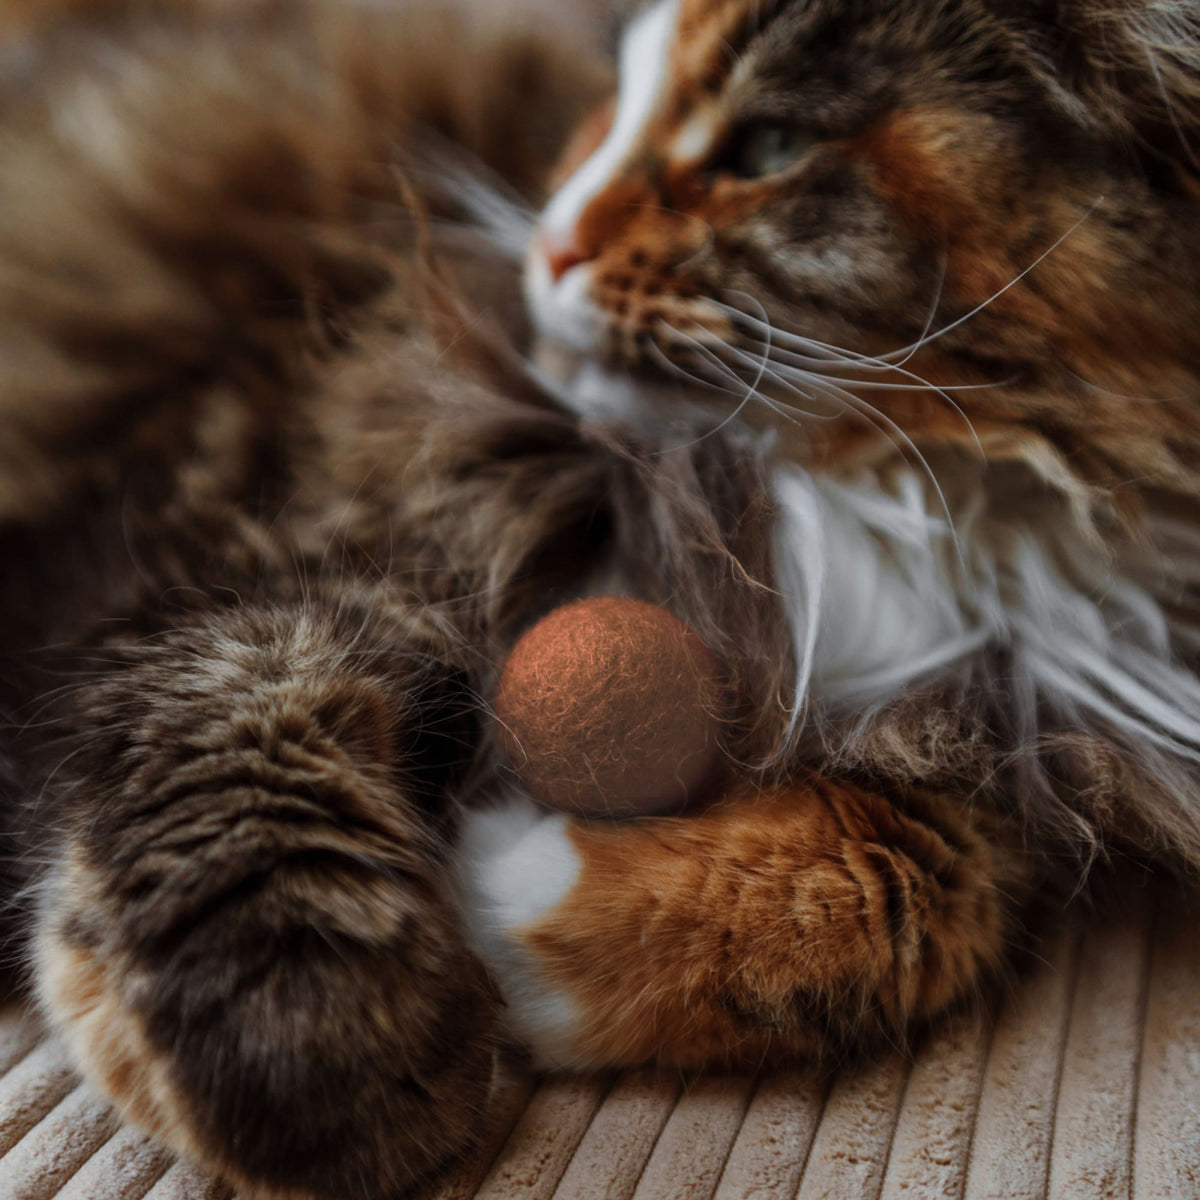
[[246, 936], [801, 922]]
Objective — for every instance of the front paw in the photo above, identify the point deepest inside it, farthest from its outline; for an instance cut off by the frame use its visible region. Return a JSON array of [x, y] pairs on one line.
[[347, 1052], [805, 922], [246, 936]]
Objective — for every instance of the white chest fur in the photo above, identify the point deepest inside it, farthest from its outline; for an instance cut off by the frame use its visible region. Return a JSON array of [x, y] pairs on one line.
[[887, 584]]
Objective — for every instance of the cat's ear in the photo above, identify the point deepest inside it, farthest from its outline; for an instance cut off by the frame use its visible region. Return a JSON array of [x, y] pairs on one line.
[[1135, 65]]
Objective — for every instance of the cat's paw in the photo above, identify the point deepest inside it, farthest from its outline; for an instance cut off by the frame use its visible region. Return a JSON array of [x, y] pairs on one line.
[[346, 1054], [795, 923], [247, 935], [517, 863]]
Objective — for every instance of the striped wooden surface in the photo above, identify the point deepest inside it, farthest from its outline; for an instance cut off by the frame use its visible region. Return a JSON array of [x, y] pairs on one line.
[[1086, 1086]]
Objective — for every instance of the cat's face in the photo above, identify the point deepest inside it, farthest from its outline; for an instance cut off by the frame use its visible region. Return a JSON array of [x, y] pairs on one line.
[[824, 179]]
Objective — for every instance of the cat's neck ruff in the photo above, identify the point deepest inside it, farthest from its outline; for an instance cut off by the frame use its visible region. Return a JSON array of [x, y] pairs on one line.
[[899, 574], [889, 583]]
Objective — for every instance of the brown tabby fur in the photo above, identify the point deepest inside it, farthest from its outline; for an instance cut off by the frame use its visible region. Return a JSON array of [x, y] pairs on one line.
[[247, 935], [274, 499]]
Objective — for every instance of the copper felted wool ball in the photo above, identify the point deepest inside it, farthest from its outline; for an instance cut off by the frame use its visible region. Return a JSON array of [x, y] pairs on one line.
[[609, 707]]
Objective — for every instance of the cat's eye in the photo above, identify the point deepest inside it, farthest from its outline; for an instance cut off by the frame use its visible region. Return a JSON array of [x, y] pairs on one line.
[[766, 148]]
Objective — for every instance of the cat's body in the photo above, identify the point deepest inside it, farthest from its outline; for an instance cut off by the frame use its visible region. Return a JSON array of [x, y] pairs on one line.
[[277, 491]]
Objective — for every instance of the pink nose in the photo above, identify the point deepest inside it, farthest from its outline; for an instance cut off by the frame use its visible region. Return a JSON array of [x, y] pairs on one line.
[[561, 256]]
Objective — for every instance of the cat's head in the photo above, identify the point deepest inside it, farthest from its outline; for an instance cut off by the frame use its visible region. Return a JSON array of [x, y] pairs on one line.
[[998, 196]]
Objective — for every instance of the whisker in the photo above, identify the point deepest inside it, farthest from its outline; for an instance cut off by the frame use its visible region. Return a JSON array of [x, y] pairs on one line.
[[1170, 106], [791, 385], [904, 353], [857, 359], [857, 404], [934, 306], [919, 383], [787, 359], [675, 368], [1012, 283], [861, 405], [768, 342], [732, 416], [826, 356], [450, 173], [710, 354]]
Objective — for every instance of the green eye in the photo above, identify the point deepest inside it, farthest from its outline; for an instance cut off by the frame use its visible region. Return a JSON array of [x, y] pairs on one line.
[[766, 148]]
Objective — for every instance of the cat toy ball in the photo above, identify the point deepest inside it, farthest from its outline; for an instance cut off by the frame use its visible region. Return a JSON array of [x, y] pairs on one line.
[[610, 707]]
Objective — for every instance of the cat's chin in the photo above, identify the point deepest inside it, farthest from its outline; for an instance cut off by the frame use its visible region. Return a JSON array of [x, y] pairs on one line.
[[561, 308], [605, 394]]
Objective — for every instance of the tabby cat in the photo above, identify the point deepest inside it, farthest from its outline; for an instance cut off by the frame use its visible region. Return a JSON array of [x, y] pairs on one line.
[[862, 335]]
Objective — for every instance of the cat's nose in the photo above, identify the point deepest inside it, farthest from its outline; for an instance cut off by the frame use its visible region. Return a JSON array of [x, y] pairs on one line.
[[561, 254]]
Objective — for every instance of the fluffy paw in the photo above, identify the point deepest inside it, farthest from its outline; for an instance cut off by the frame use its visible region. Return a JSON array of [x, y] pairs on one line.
[[246, 937], [348, 1055], [800, 922]]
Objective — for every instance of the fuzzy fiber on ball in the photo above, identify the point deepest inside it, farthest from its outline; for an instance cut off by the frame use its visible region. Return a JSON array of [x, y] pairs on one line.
[[610, 706]]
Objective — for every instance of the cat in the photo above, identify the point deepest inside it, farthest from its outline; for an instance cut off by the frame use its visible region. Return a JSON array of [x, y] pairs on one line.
[[928, 250], [861, 338]]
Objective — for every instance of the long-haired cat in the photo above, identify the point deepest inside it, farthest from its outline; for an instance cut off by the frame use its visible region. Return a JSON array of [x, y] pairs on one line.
[[865, 341]]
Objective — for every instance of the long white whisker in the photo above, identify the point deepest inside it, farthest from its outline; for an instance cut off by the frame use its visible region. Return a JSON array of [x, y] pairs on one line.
[[804, 363], [749, 395], [712, 356], [904, 353], [918, 383], [781, 357], [1012, 283], [768, 344], [831, 389], [819, 355], [933, 308], [861, 405], [672, 367], [856, 359]]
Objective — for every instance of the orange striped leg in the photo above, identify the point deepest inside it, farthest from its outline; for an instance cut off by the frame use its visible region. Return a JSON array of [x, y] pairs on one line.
[[783, 923]]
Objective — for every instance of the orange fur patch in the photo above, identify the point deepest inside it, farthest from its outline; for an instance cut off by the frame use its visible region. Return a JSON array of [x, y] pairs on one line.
[[83, 994], [708, 37], [769, 925], [941, 172], [84, 991], [946, 174]]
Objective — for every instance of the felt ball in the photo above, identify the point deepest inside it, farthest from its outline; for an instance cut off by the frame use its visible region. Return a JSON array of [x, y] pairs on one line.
[[610, 706]]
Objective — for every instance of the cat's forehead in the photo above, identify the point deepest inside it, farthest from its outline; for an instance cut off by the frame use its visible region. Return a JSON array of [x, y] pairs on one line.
[[702, 66], [702, 47], [706, 25], [710, 35]]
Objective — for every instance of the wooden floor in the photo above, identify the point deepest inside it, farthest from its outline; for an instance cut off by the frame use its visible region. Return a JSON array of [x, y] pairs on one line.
[[1086, 1086]]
